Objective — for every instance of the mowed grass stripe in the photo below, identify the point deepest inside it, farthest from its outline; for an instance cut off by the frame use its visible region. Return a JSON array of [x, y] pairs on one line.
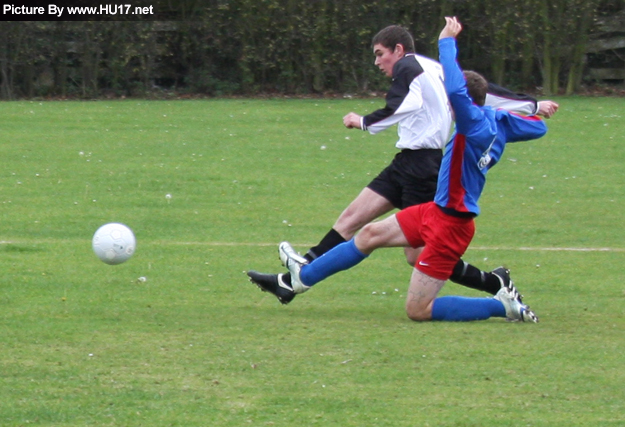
[[266, 244]]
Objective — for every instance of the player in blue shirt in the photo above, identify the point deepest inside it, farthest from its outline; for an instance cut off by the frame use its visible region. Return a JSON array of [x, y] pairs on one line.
[[443, 228]]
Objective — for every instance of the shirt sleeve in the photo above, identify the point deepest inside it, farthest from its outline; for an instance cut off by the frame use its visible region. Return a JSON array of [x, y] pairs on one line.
[[467, 114], [520, 128], [500, 97]]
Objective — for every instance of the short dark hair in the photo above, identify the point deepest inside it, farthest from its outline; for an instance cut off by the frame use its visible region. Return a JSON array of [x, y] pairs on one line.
[[477, 87], [393, 35]]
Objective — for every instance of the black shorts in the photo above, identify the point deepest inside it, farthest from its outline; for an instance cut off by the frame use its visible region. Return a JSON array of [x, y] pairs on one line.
[[410, 179]]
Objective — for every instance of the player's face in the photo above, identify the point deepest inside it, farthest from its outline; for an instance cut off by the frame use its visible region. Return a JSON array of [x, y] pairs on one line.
[[386, 58]]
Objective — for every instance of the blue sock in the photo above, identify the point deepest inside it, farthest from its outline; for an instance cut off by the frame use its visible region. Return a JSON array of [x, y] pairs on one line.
[[463, 309], [341, 257]]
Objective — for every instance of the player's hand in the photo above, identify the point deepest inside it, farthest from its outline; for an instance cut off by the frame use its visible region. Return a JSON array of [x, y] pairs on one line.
[[452, 28], [352, 120], [547, 108]]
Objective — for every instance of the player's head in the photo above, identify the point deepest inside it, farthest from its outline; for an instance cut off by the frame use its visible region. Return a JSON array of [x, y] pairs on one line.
[[389, 46], [393, 35], [477, 87]]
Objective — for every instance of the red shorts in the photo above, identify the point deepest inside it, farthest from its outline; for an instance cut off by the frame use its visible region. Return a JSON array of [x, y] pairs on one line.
[[445, 238]]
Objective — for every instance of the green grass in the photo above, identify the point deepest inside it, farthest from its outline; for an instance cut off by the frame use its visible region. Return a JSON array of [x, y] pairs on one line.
[[87, 344]]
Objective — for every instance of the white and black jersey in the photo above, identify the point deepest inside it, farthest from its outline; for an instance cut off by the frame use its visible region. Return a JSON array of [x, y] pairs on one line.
[[418, 104]]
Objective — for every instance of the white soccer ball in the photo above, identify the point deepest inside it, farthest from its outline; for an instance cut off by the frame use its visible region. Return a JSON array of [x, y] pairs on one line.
[[114, 243]]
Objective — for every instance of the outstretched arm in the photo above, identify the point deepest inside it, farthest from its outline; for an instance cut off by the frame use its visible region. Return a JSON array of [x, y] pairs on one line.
[[452, 28], [465, 111]]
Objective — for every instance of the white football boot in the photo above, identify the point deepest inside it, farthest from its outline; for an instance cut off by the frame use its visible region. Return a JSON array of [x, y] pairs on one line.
[[515, 310], [293, 262]]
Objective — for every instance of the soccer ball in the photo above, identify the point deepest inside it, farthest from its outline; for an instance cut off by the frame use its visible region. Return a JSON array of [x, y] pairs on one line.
[[114, 243]]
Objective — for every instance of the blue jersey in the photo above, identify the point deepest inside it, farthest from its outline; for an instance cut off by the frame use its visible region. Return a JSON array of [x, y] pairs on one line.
[[478, 140]]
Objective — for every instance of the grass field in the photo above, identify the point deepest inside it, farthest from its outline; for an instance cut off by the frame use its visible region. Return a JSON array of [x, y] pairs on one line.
[[87, 344]]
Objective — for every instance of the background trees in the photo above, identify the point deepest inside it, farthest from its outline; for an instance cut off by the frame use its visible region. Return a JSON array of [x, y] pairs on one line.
[[295, 47]]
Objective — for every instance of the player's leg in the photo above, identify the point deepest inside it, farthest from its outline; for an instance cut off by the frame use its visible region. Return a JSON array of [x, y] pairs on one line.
[[428, 278], [472, 277], [446, 239], [422, 304], [373, 201], [422, 292], [385, 233], [409, 180], [383, 193], [366, 207], [381, 234]]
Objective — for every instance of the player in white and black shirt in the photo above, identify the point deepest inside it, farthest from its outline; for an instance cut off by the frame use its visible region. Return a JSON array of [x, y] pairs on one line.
[[417, 103]]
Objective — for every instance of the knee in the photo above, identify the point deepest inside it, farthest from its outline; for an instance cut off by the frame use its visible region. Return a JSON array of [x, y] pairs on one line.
[[419, 312], [418, 316], [369, 232], [369, 238]]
